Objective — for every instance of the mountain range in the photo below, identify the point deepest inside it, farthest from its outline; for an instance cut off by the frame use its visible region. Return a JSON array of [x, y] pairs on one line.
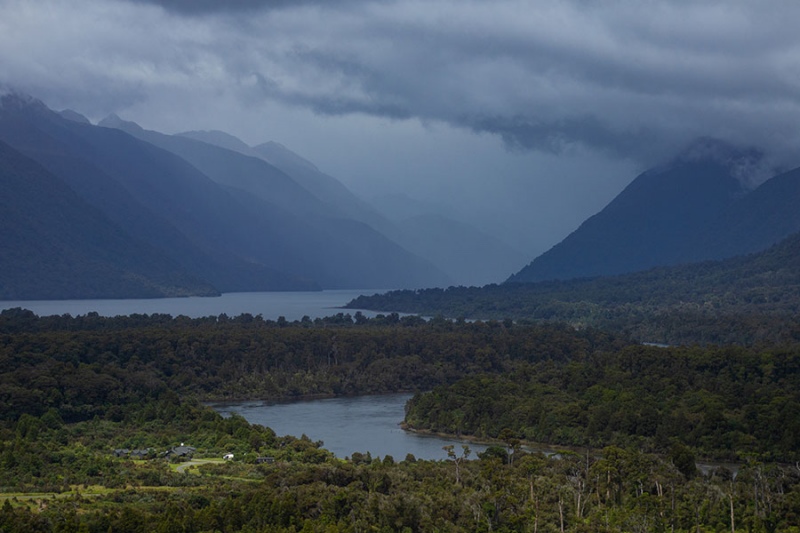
[[207, 214], [115, 210], [301, 234], [690, 251], [743, 299], [224, 220], [467, 255], [695, 208]]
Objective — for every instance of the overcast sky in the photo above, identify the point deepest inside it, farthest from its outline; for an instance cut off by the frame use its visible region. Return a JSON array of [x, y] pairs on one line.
[[530, 116]]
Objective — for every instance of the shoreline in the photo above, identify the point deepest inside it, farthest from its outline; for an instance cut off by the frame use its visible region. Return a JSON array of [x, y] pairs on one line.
[[703, 464], [292, 399], [528, 446]]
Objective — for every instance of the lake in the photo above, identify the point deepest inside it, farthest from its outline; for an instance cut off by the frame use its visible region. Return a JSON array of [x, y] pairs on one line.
[[347, 425], [270, 305]]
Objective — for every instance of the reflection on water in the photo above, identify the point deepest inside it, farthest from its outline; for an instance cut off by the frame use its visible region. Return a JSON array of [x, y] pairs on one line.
[[347, 425]]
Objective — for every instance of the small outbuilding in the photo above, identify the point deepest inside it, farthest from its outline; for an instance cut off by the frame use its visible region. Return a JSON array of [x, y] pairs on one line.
[[141, 453]]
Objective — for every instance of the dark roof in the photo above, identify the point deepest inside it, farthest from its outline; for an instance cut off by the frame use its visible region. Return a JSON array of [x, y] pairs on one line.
[[182, 450], [141, 452]]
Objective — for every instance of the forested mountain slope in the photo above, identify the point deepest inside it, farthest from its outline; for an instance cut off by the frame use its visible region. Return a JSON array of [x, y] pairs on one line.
[[753, 222], [743, 299], [155, 196], [650, 222], [259, 230], [55, 245]]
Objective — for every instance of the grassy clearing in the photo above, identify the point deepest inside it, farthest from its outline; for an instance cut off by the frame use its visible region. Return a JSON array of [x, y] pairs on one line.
[[191, 466], [39, 499]]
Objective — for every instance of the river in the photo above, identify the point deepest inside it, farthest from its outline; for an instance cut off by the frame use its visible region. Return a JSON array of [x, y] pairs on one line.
[[370, 423], [270, 305], [347, 425]]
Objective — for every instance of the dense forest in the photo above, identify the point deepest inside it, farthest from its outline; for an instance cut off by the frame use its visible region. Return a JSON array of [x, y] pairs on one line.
[[75, 389], [64, 479], [726, 403], [93, 363], [743, 300]]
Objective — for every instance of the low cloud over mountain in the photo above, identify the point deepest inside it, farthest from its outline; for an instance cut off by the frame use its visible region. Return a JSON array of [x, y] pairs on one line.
[[559, 103]]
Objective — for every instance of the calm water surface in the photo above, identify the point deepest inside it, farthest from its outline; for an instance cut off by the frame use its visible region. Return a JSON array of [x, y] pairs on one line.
[[346, 425], [270, 305]]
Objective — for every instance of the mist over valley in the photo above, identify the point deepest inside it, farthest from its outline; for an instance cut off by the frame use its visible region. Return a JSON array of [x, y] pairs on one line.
[[528, 266]]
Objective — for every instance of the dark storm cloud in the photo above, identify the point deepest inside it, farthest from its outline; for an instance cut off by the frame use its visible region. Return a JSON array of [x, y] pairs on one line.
[[370, 92], [202, 7], [332, 105], [557, 136], [630, 79], [414, 95]]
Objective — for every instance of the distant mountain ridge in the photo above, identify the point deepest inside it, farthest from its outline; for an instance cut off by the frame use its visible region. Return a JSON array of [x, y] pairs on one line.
[[212, 214], [464, 253], [324, 188], [228, 221], [154, 196], [315, 238], [696, 208]]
